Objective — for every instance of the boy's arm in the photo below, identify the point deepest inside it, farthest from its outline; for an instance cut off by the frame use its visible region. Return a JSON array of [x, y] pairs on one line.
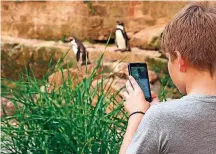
[[150, 136], [135, 101], [133, 124]]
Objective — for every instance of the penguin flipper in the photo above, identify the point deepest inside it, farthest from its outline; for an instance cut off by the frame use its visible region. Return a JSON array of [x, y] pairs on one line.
[[116, 43], [78, 55], [126, 36], [84, 56], [128, 48]]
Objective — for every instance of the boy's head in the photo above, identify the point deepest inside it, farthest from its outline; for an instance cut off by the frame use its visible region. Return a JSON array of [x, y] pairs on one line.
[[189, 41]]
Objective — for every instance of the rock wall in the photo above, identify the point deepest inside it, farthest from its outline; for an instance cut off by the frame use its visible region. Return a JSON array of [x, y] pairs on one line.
[[41, 56], [50, 20], [18, 54]]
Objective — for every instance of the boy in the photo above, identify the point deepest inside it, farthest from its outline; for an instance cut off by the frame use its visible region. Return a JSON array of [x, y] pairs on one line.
[[186, 125]]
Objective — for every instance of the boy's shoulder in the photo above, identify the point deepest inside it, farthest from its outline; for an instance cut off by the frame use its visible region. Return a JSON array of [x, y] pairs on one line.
[[168, 106], [171, 104], [186, 105]]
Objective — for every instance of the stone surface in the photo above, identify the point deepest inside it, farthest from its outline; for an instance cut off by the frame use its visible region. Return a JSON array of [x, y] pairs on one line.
[[153, 77], [117, 72], [77, 74], [147, 38], [8, 107], [50, 20], [120, 70]]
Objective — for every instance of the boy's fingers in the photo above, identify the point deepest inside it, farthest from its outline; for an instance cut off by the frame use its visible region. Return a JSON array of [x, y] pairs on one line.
[[126, 95], [153, 95], [129, 87], [133, 82]]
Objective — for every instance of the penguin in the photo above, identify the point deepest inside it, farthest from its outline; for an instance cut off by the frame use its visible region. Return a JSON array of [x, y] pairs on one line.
[[78, 49], [121, 38]]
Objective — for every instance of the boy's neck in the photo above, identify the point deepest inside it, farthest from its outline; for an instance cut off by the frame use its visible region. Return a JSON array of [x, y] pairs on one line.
[[201, 83]]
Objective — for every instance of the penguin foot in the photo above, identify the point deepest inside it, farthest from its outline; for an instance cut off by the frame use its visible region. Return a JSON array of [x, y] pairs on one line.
[[125, 50], [84, 63], [117, 50], [121, 50], [128, 49]]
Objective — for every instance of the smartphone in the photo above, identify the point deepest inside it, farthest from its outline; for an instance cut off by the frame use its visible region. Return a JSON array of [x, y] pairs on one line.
[[140, 73]]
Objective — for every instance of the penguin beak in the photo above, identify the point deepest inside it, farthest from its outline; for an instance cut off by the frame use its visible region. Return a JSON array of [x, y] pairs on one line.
[[69, 39], [120, 23]]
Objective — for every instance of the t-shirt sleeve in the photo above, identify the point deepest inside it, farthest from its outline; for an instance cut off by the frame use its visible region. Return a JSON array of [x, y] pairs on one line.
[[147, 137]]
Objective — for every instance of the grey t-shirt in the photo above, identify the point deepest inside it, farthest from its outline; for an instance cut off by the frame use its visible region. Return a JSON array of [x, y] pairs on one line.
[[182, 126]]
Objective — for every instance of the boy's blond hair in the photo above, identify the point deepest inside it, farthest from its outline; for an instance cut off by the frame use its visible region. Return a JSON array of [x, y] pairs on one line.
[[192, 32]]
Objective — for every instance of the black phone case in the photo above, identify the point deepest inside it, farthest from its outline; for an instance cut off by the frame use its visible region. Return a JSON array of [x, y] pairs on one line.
[[145, 65]]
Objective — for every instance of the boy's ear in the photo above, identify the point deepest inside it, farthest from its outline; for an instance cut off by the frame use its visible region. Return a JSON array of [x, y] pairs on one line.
[[181, 62]]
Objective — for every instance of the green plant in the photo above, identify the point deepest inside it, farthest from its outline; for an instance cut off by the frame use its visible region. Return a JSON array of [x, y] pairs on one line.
[[89, 3], [63, 38], [164, 82], [154, 44], [63, 120]]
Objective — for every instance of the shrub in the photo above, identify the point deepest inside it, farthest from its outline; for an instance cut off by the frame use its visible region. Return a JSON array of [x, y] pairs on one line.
[[63, 120]]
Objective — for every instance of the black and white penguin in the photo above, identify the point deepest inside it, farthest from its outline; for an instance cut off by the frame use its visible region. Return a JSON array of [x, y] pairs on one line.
[[121, 38], [78, 49]]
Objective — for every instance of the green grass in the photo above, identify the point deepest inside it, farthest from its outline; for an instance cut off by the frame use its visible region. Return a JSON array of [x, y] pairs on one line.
[[63, 120], [91, 8]]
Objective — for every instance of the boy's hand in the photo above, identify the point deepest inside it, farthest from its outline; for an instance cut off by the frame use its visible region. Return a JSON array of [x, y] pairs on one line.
[[135, 99]]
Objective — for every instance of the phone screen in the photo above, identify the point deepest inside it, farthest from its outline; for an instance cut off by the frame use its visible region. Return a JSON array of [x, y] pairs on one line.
[[140, 73]]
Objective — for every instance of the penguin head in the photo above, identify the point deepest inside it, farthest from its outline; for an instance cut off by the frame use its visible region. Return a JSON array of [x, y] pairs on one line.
[[120, 25], [69, 39]]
